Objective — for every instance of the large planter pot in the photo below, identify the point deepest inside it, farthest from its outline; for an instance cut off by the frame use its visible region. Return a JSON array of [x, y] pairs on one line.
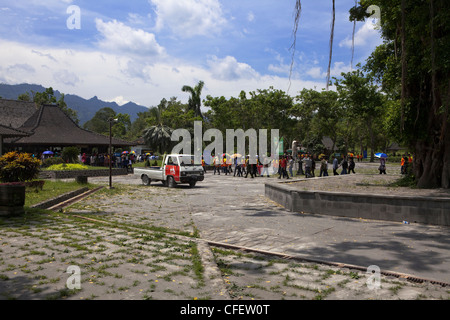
[[12, 199]]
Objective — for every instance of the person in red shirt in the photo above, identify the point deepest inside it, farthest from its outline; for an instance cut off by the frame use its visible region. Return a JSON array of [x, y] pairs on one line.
[[283, 165]]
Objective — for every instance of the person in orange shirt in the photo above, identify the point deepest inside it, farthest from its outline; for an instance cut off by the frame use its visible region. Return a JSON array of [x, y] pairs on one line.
[[402, 170]]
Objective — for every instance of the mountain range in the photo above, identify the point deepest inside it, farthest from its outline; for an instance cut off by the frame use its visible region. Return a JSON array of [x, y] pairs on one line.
[[85, 109]]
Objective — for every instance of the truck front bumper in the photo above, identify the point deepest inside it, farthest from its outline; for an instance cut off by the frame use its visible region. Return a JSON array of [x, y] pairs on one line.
[[189, 178]]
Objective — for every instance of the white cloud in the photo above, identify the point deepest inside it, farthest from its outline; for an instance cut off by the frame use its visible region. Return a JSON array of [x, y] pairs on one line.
[[117, 37], [120, 100], [280, 68], [339, 67], [229, 68], [366, 36], [66, 77], [117, 77], [189, 18], [315, 73]]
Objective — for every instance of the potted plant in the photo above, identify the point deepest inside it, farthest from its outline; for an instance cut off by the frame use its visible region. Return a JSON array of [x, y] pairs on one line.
[[15, 169]]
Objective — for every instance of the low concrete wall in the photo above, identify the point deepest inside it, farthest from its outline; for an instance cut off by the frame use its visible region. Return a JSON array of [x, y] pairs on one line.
[[51, 202], [426, 210], [66, 174]]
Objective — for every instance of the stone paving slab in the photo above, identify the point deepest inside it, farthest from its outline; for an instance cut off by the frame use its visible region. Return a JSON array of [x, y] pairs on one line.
[[138, 242]]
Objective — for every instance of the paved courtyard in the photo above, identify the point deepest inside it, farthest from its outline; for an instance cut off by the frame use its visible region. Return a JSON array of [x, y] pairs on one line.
[[150, 242]]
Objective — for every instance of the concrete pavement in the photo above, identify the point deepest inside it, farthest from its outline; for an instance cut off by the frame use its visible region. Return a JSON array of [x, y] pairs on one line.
[[233, 210], [121, 240]]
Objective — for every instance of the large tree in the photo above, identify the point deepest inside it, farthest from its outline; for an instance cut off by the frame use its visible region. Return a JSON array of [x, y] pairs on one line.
[[319, 113], [101, 120], [362, 100], [417, 52], [416, 48]]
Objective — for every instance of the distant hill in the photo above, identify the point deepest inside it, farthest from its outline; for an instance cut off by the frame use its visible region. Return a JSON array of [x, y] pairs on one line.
[[86, 109]]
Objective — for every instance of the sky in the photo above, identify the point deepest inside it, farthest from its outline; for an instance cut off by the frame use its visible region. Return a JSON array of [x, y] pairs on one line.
[[146, 50]]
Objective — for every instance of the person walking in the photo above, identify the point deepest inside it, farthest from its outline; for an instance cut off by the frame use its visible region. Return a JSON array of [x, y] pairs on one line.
[[300, 165], [216, 164], [265, 168], [291, 165], [248, 167], [351, 165], [308, 164], [282, 171], [323, 167], [335, 166], [344, 165], [382, 167]]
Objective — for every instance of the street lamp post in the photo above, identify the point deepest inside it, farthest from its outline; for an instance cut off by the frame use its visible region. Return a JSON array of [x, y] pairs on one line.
[[111, 120]]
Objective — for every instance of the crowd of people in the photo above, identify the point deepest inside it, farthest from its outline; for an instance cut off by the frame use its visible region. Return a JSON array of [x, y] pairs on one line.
[[304, 164], [283, 167], [125, 160]]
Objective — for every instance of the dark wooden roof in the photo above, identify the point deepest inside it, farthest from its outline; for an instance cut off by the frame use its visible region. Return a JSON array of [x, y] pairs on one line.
[[8, 132], [14, 113], [50, 126]]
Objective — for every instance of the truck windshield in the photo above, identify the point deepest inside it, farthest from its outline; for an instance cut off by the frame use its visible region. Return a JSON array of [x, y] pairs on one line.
[[186, 160]]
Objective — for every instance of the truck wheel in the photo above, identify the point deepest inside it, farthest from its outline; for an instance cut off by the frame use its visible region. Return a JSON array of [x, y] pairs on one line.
[[192, 184], [145, 180], [170, 182]]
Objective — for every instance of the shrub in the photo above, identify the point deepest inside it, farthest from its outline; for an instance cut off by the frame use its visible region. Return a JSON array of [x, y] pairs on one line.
[[69, 166], [70, 154], [51, 161], [18, 167]]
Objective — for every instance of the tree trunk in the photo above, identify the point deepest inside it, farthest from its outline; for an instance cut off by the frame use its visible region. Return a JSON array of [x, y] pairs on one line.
[[432, 155], [432, 163], [445, 183], [404, 63], [427, 167]]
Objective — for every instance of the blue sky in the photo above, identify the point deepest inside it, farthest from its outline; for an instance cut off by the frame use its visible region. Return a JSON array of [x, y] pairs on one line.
[[146, 50]]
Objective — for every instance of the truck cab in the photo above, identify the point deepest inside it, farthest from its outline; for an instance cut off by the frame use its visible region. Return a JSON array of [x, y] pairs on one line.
[[175, 169]]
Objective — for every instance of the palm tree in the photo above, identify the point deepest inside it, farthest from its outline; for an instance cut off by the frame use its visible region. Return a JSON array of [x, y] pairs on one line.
[[158, 136], [194, 101]]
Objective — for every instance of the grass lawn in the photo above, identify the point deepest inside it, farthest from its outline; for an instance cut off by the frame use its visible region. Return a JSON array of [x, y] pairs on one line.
[[50, 190]]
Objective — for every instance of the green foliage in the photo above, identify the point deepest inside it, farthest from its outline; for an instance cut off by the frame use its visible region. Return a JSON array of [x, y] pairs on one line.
[[195, 101], [51, 161], [158, 137], [413, 67], [18, 167], [70, 154], [101, 121], [48, 97], [263, 109]]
